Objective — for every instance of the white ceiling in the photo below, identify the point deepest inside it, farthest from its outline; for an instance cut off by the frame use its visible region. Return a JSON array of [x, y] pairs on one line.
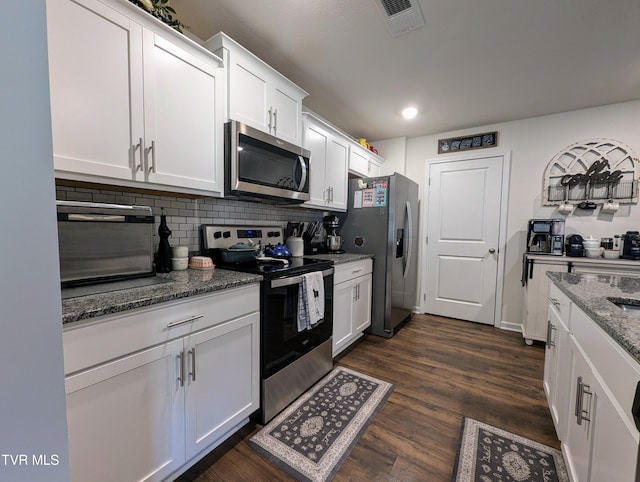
[[474, 62]]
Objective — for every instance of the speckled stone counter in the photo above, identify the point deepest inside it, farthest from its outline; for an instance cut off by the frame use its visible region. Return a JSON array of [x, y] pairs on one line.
[[180, 285], [590, 292], [340, 258]]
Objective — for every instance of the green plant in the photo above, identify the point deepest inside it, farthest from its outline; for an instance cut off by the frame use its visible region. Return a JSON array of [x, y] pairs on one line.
[[161, 10]]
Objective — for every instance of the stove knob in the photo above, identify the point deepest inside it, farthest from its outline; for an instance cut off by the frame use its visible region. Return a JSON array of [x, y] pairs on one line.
[[217, 235], [226, 234]]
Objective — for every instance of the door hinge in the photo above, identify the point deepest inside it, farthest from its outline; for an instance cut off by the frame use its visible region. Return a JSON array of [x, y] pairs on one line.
[[424, 297], [426, 239]]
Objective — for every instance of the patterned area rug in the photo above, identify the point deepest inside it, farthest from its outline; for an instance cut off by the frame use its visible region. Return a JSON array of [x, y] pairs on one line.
[[488, 454], [313, 436]]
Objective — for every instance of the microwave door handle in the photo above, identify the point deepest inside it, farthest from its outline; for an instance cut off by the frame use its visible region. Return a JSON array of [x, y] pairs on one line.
[[303, 166]]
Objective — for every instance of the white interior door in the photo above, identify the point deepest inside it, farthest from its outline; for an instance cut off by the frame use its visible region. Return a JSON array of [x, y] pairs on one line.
[[463, 228]]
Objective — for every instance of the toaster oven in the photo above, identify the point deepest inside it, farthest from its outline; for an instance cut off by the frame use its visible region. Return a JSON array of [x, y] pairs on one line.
[[104, 242]]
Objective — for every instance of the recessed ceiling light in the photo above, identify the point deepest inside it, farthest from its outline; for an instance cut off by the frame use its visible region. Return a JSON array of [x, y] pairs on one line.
[[409, 113]]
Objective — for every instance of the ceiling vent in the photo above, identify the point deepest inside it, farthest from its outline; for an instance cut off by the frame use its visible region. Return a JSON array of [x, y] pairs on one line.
[[400, 16]]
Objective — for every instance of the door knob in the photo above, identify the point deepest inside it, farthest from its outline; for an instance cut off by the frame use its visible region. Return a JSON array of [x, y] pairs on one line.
[[492, 250]]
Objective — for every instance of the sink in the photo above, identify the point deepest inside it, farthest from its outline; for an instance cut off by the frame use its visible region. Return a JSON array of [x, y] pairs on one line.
[[631, 306]]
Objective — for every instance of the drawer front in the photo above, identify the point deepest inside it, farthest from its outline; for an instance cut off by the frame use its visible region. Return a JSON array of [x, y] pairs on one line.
[[560, 303], [108, 337], [614, 365], [347, 271]]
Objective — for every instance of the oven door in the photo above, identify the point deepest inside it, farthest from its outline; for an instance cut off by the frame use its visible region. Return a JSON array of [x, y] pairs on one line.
[[281, 341]]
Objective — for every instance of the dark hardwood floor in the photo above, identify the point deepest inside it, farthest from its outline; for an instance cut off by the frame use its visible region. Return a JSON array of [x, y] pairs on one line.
[[443, 370]]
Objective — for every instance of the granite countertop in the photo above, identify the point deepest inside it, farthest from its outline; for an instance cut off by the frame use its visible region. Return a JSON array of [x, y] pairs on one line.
[[77, 305], [590, 292], [180, 284], [340, 258]]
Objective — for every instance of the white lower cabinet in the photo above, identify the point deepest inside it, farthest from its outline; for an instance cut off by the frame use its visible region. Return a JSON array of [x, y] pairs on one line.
[[351, 303], [154, 411], [590, 383], [536, 292]]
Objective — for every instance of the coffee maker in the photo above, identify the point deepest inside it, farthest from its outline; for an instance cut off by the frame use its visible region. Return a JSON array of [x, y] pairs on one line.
[[333, 241], [630, 245], [545, 236]]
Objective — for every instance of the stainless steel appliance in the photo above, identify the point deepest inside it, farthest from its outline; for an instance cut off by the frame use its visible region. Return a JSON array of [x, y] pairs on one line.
[[333, 241], [104, 242], [259, 165], [545, 236], [382, 220], [291, 360], [630, 245]]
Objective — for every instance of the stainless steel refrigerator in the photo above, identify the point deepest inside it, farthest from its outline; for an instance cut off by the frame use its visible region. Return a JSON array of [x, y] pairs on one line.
[[382, 219]]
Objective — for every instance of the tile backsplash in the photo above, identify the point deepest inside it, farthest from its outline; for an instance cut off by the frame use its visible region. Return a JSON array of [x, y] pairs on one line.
[[185, 215]]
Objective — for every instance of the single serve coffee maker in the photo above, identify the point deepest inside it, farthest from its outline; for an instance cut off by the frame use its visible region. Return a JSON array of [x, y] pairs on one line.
[[333, 241]]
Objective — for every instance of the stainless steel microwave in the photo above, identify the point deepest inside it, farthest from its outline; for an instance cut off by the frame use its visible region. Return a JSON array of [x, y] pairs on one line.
[[259, 165]]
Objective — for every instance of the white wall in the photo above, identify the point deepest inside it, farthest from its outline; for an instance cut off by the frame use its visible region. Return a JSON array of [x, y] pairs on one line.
[[394, 153], [32, 403], [533, 143]]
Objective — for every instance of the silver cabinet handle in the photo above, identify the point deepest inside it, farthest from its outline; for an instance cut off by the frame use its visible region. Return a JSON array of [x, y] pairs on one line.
[[139, 147], [355, 271], [554, 302], [275, 120], [492, 250], [192, 354], [550, 330], [186, 320], [181, 377], [581, 413], [270, 114], [152, 149]]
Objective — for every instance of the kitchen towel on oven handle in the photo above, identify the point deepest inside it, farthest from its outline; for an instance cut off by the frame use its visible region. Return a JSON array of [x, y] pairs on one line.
[[310, 300]]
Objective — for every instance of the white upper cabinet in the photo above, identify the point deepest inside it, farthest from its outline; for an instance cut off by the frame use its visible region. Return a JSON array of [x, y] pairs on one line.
[[257, 94], [328, 165], [363, 162], [132, 101]]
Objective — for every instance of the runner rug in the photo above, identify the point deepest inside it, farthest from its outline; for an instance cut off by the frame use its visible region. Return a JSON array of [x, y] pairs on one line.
[[488, 454], [313, 436]]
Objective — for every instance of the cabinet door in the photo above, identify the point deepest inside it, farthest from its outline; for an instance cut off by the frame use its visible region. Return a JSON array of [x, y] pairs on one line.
[[336, 173], [317, 141], [358, 160], [556, 371], [534, 322], [223, 380], [375, 169], [126, 418], [95, 70], [285, 104], [615, 441], [182, 138], [248, 90], [579, 435], [362, 308], [343, 301]]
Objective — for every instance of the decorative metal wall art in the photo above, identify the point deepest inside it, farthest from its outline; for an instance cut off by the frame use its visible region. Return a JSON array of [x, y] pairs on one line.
[[592, 171], [476, 141]]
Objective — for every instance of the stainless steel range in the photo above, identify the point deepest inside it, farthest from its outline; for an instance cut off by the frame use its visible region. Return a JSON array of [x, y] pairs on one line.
[[293, 356]]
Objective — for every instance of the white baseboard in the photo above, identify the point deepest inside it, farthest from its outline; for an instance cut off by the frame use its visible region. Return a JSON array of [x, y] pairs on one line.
[[509, 326]]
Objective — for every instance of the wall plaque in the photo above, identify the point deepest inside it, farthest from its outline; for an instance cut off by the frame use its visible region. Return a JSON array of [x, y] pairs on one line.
[[465, 143]]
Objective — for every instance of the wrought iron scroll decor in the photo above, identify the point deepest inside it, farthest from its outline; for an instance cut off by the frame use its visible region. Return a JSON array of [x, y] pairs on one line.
[[596, 170]]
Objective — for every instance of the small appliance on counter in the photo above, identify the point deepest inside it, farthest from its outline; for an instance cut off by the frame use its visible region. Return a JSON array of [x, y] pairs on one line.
[[104, 242], [333, 241], [574, 246], [545, 236], [630, 245]]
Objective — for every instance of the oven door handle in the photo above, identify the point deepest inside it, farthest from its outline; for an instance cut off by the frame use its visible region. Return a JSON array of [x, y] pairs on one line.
[[294, 280]]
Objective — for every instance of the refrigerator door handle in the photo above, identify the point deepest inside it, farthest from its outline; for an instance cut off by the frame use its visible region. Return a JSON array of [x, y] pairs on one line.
[[409, 230]]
